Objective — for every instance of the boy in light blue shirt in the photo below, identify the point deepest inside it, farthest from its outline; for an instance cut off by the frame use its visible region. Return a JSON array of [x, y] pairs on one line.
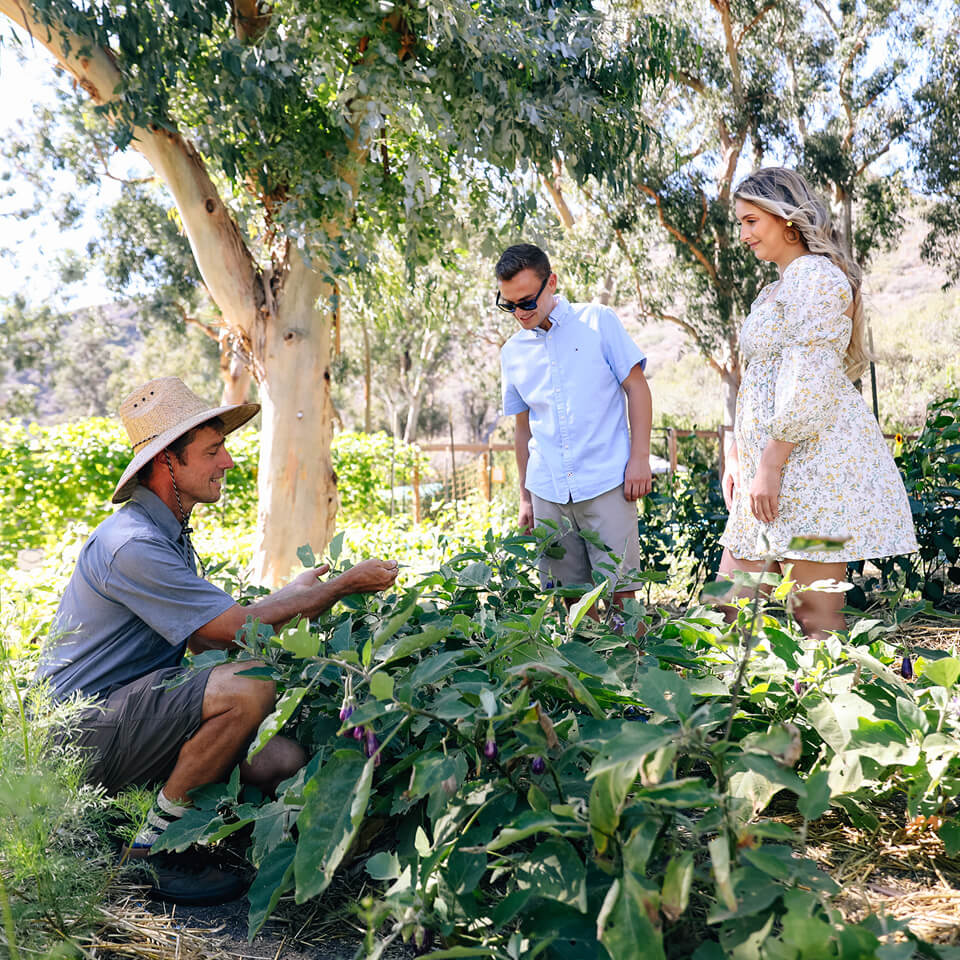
[[574, 380]]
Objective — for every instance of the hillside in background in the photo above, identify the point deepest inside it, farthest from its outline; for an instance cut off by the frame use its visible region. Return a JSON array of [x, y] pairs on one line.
[[915, 325]]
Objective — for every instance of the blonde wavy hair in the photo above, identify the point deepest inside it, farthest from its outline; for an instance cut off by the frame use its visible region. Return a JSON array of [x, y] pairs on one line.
[[786, 194]]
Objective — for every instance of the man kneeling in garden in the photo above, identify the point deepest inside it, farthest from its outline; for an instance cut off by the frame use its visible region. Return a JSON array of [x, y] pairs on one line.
[[135, 603]]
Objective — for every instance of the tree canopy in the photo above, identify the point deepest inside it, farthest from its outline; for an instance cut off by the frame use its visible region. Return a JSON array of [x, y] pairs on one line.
[[289, 137]]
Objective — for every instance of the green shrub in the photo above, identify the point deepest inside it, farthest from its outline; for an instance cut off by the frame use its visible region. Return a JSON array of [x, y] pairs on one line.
[[527, 783], [55, 478], [54, 868]]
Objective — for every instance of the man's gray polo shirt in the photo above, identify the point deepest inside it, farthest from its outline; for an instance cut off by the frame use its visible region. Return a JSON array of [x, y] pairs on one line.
[[131, 605]]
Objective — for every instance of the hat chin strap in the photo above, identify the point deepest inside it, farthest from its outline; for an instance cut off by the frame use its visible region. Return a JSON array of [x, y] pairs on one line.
[[185, 528]]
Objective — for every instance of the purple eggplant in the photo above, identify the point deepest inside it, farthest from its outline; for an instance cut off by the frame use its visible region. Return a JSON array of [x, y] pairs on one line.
[[490, 749], [906, 668], [538, 765], [358, 733]]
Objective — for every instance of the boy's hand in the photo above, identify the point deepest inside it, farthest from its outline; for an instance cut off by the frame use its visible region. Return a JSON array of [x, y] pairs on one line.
[[637, 478], [526, 516]]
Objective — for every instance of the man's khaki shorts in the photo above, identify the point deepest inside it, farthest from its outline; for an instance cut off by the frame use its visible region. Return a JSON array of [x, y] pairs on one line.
[[134, 736], [612, 517]]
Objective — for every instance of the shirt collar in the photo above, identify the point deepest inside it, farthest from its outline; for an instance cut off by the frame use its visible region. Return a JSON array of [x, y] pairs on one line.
[[559, 313], [156, 510]]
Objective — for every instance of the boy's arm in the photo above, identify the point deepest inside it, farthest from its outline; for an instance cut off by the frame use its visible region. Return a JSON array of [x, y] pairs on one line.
[[637, 477], [521, 447]]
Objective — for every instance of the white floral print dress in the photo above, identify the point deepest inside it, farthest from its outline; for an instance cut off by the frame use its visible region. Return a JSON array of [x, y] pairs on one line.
[[840, 478]]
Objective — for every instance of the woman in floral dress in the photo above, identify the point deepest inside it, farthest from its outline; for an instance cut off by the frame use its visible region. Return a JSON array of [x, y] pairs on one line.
[[808, 459]]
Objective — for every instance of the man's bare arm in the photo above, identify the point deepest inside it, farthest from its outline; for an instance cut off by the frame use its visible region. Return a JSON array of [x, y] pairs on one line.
[[306, 595], [637, 477], [521, 447]]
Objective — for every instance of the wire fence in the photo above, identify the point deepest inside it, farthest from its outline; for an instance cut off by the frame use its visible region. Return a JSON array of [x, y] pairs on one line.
[[461, 470]]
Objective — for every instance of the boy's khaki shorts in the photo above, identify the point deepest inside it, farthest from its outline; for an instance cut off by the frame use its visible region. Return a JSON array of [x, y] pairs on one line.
[[613, 518]]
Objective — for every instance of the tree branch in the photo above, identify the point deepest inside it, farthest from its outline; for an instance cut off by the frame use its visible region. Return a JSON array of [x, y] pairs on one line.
[[763, 12], [723, 8], [225, 263], [676, 234], [694, 83], [821, 6], [250, 20], [107, 173], [552, 183]]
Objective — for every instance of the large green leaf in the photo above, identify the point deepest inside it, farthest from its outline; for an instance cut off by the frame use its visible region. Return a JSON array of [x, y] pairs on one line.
[[607, 796], [273, 880], [623, 924], [530, 822], [554, 870], [583, 658], [270, 726], [391, 626], [665, 692], [580, 609], [631, 745], [299, 640], [943, 672], [410, 644], [335, 803], [677, 880], [817, 801]]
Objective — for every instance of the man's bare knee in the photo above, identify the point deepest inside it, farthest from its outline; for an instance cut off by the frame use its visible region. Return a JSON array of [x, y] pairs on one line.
[[227, 689], [279, 759]]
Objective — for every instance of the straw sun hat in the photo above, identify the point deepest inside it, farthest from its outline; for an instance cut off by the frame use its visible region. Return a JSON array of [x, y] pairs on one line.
[[159, 412]]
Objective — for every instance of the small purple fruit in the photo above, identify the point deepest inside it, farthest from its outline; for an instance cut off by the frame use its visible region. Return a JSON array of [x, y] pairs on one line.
[[549, 585], [358, 733], [538, 765], [906, 669], [490, 749], [345, 711]]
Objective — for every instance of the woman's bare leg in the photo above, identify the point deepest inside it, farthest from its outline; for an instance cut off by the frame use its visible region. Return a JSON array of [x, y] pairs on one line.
[[729, 564], [817, 611]]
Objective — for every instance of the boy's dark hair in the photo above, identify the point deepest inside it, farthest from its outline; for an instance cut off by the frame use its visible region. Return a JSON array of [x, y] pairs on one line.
[[523, 256], [179, 445]]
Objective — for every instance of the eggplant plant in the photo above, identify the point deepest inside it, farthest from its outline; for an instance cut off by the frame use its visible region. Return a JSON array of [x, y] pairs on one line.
[[519, 780]]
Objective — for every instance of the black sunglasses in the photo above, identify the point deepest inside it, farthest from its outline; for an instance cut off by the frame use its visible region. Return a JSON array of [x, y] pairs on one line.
[[508, 306]]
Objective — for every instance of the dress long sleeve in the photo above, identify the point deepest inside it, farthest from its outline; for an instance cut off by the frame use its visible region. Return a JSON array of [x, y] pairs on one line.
[[813, 295]]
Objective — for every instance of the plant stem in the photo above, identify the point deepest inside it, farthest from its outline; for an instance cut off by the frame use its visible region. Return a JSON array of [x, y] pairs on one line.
[[8, 922], [747, 638]]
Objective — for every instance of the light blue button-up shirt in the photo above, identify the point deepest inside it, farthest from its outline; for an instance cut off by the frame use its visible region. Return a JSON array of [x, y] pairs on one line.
[[569, 378]]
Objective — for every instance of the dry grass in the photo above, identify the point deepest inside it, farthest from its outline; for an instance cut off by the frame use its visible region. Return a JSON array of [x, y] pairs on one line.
[[129, 929]]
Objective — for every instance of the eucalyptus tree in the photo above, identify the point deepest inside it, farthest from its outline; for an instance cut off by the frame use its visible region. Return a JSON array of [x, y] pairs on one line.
[[333, 123], [818, 85], [939, 152]]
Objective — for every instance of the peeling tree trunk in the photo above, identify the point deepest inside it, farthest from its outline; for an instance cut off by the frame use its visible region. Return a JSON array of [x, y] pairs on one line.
[[234, 373], [413, 415], [730, 384], [296, 484], [285, 337]]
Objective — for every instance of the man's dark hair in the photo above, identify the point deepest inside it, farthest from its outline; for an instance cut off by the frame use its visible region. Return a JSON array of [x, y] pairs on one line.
[[179, 445], [523, 256]]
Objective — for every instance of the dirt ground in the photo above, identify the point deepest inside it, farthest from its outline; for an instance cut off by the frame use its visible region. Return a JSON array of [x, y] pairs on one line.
[[141, 928]]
